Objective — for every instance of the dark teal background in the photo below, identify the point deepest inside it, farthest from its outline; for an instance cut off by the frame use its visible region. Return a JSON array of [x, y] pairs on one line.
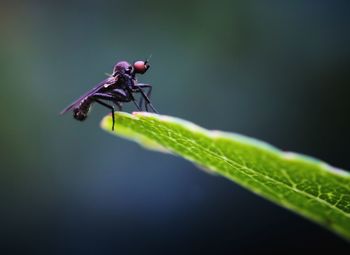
[[274, 70]]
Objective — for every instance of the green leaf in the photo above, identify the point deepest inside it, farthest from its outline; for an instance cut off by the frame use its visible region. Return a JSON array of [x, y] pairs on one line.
[[302, 184]]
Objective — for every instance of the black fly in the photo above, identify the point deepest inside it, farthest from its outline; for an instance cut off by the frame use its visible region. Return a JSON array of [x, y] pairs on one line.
[[118, 88]]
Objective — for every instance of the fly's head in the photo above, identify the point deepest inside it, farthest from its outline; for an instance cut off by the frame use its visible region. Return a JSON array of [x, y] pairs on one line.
[[124, 68], [141, 66]]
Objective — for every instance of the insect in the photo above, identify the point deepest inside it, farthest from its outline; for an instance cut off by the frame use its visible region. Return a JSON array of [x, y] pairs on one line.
[[118, 88]]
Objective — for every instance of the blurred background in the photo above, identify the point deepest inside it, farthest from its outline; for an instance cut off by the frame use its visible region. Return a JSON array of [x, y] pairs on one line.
[[274, 70]]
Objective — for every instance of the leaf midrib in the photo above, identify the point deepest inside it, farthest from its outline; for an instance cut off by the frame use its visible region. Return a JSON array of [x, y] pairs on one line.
[[234, 164]]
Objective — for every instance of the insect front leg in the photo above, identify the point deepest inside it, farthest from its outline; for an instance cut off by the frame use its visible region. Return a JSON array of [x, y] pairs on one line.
[[139, 87], [132, 98], [142, 85]]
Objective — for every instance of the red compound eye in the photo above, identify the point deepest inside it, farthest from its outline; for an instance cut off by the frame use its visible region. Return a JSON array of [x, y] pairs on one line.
[[141, 66]]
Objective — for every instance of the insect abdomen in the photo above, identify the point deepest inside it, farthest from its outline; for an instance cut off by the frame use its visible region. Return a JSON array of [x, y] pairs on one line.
[[81, 112]]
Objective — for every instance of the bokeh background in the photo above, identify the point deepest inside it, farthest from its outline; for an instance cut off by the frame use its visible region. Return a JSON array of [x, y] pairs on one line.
[[274, 70]]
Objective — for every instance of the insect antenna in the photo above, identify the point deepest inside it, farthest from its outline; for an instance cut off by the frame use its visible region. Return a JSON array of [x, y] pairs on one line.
[[148, 59]]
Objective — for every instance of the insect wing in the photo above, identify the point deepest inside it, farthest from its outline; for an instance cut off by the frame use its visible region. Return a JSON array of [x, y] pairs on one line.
[[108, 81]]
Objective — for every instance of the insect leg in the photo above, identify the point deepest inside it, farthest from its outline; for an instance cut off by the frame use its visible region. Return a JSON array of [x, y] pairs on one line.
[[137, 105], [108, 106], [109, 97], [144, 96], [142, 85], [148, 95], [124, 97], [133, 99]]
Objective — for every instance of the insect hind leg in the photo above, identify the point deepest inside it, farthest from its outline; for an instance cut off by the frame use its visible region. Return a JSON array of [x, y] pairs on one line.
[[109, 97], [109, 107]]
